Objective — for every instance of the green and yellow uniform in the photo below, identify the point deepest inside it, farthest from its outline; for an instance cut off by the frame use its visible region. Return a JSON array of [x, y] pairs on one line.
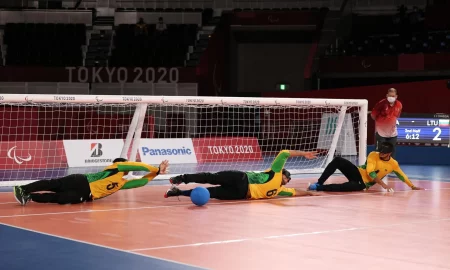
[[110, 180], [375, 166], [268, 184]]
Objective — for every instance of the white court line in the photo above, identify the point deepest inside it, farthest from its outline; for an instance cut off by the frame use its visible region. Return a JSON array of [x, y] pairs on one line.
[[288, 235], [210, 204], [102, 246], [439, 179]]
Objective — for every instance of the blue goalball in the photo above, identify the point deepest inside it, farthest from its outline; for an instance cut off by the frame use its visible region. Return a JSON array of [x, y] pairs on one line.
[[200, 196]]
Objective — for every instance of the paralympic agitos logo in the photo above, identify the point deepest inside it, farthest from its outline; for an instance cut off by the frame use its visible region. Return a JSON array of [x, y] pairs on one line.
[[19, 160]]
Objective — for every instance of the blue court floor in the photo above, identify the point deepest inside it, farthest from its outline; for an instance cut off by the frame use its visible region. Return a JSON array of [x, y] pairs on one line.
[[23, 249]]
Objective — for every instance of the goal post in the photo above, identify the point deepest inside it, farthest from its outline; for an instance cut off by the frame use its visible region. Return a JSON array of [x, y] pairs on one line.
[[50, 136]]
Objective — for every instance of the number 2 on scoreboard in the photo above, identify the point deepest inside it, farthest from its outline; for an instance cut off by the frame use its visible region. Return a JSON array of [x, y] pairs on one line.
[[436, 138]]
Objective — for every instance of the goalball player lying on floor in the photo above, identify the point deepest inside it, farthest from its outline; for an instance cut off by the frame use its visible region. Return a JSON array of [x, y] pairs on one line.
[[239, 185], [77, 188], [377, 166]]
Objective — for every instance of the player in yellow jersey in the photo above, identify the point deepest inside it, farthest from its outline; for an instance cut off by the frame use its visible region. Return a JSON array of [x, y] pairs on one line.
[[377, 166], [239, 185], [78, 188]]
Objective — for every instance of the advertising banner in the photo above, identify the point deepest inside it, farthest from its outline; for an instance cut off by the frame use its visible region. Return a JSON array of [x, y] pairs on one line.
[[23, 155], [177, 151], [227, 149], [92, 153]]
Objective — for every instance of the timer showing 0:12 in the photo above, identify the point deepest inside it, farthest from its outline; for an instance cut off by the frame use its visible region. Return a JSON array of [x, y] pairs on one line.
[[412, 136]]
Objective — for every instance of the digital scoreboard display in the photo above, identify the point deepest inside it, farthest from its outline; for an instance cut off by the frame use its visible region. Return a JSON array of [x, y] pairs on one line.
[[428, 129]]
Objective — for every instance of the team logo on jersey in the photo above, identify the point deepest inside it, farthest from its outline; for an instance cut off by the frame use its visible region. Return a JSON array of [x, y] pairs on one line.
[[19, 160], [96, 150]]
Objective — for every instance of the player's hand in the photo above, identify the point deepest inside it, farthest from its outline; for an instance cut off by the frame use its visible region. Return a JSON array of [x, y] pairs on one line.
[[310, 155], [417, 188], [310, 193], [389, 189], [164, 167]]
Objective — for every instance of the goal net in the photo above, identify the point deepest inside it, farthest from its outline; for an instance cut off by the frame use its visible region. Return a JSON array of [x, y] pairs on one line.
[[50, 136]]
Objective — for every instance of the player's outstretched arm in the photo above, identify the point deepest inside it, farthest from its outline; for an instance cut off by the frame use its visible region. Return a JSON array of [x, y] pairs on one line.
[[404, 178], [163, 169], [280, 160], [294, 192], [135, 183], [130, 166], [306, 154], [300, 193]]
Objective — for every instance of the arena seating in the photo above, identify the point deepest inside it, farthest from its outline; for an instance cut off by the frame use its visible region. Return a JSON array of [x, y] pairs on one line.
[[44, 44], [207, 13], [418, 42], [98, 49], [154, 49], [402, 33]]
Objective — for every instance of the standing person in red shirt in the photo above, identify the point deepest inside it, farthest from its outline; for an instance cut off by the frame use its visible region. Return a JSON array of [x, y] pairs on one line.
[[385, 113]]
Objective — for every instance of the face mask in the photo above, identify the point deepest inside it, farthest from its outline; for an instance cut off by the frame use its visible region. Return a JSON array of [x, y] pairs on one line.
[[391, 99]]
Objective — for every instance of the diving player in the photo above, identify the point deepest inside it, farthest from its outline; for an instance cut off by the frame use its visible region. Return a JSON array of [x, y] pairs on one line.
[[77, 188], [377, 166], [239, 185]]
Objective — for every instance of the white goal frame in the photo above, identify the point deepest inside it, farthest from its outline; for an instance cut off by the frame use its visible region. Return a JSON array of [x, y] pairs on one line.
[[135, 129]]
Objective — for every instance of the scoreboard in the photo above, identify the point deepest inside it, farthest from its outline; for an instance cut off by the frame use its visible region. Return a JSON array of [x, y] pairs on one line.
[[428, 129]]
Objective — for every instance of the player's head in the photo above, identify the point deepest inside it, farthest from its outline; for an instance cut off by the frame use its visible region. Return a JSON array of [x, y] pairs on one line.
[[386, 149], [286, 176], [391, 95], [120, 160]]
